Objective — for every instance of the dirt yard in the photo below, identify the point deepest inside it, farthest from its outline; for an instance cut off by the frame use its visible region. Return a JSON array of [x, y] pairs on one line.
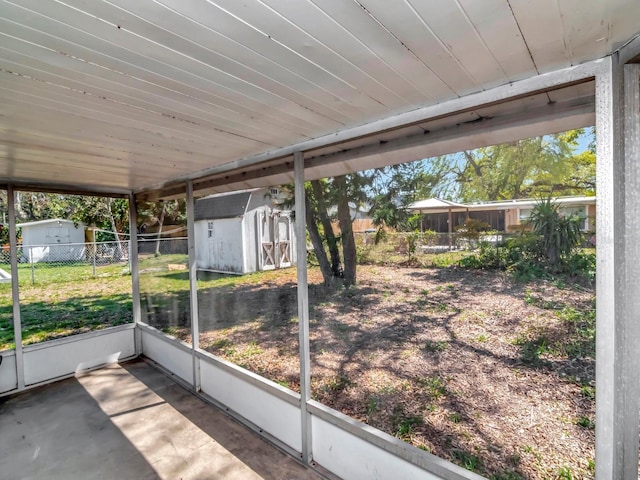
[[495, 375]]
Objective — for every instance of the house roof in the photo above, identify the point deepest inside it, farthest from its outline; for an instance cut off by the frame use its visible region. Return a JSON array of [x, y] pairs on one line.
[[45, 222], [435, 205], [119, 96]]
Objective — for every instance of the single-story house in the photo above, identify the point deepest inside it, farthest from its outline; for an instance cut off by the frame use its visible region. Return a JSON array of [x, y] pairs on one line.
[[243, 232], [503, 216], [54, 240]]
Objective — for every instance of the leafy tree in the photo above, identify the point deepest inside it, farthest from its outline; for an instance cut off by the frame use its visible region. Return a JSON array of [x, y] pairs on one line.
[[393, 188], [538, 166]]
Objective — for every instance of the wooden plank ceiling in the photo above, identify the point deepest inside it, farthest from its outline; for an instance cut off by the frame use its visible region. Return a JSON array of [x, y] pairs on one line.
[[123, 95]]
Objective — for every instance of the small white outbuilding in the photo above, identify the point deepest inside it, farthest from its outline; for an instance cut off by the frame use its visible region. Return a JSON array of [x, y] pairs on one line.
[[54, 240], [243, 232]]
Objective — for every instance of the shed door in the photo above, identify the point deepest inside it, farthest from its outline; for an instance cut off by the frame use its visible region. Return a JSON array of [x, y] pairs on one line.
[[58, 239], [58, 235], [283, 240], [266, 241]]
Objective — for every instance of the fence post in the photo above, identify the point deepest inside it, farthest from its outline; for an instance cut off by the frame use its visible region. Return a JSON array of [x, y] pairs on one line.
[[33, 273], [95, 253]]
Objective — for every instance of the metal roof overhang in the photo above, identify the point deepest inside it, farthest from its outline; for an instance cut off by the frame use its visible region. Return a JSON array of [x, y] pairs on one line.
[[117, 96]]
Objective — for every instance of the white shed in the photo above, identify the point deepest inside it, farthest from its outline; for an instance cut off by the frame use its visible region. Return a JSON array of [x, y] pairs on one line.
[[243, 232], [54, 240]]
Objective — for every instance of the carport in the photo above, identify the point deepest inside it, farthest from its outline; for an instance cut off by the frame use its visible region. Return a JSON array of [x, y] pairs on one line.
[[171, 98]]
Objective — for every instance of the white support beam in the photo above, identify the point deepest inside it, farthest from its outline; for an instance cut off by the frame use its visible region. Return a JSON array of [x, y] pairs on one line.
[[631, 314], [193, 286], [135, 269], [15, 290], [617, 328], [303, 306], [520, 89]]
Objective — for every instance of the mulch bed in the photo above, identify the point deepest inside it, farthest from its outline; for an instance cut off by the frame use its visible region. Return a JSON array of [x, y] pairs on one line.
[[493, 374]]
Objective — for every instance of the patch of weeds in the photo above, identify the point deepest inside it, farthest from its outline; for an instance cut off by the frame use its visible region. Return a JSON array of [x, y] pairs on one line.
[[337, 383], [424, 447], [482, 338], [582, 342], [467, 460], [372, 406], [591, 465], [455, 418], [252, 350], [588, 391], [403, 424], [585, 422], [529, 449], [507, 475], [435, 386], [441, 307], [435, 347], [565, 473], [559, 283], [221, 343], [532, 349], [425, 292], [529, 298]]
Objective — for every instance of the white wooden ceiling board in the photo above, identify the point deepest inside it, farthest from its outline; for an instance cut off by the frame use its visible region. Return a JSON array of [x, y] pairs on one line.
[[367, 91], [177, 150], [314, 21], [142, 152], [44, 96], [497, 27], [92, 107], [193, 41], [181, 74], [121, 44], [24, 141], [82, 154], [408, 28], [123, 94], [454, 29], [543, 32], [252, 112], [27, 168], [400, 66], [586, 27], [623, 17], [245, 35]]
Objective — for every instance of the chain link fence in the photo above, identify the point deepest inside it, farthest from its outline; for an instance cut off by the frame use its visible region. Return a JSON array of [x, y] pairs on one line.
[[69, 261]]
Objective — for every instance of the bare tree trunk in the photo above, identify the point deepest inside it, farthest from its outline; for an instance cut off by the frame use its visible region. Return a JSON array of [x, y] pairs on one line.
[[114, 228], [318, 246], [346, 229], [332, 241], [161, 223]]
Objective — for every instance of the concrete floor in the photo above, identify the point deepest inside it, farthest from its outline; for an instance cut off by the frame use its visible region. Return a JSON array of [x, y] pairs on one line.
[[130, 422]]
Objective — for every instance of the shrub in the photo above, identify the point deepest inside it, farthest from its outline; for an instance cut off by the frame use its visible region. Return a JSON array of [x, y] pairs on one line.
[[559, 234]]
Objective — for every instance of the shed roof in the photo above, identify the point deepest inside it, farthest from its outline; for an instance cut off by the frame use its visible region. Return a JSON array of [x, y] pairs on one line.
[[44, 222], [222, 206], [119, 96]]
